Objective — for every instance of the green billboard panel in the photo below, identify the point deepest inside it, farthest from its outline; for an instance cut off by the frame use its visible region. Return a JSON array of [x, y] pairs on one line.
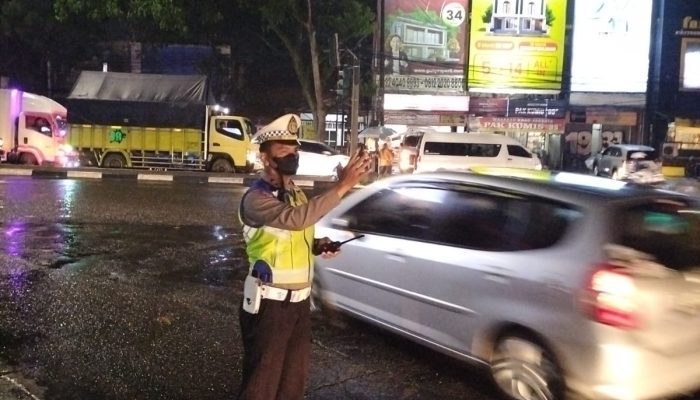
[[517, 44]]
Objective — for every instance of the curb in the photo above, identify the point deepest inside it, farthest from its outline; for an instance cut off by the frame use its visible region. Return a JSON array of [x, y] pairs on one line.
[[192, 177]]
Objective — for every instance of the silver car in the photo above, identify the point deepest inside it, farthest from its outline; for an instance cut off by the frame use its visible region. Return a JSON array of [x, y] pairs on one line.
[[629, 162], [560, 283]]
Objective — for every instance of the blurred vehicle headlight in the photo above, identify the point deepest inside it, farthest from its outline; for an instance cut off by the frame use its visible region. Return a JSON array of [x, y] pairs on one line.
[[251, 157]]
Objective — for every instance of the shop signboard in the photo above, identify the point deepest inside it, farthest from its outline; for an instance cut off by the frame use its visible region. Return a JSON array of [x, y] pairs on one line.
[[517, 44], [517, 124], [425, 46], [611, 43], [536, 108]]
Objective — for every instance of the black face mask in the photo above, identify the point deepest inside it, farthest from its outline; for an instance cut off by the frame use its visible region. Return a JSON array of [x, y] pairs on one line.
[[288, 164]]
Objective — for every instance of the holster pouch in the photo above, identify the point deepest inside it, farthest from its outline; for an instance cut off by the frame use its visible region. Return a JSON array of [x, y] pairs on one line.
[[252, 294]]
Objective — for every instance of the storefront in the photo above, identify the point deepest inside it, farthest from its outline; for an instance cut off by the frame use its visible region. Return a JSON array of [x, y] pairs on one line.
[[675, 90], [537, 124], [591, 129]]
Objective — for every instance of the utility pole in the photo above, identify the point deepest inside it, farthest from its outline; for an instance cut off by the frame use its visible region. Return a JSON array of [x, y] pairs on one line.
[[355, 105], [355, 88]]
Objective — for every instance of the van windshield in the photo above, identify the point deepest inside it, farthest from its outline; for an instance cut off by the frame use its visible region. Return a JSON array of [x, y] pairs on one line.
[[462, 149]]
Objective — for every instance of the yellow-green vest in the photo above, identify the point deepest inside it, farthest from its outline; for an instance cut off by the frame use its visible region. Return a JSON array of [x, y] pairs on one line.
[[288, 253]]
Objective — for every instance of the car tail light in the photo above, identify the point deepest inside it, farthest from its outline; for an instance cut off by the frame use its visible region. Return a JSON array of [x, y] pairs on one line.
[[609, 297]]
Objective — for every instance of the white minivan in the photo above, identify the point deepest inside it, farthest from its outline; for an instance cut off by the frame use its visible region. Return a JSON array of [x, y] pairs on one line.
[[461, 151]]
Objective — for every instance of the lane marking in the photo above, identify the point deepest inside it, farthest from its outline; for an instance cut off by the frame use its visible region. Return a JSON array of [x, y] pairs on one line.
[[19, 386], [15, 171], [152, 177], [85, 174], [225, 179]]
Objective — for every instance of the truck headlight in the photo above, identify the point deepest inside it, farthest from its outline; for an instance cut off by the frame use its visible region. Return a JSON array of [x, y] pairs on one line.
[[251, 157]]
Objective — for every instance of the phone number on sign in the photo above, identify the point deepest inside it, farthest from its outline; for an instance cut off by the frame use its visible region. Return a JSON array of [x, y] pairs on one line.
[[413, 82]]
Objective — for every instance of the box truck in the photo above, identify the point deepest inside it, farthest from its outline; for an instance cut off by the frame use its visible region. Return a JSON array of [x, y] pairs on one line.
[[156, 122], [33, 130]]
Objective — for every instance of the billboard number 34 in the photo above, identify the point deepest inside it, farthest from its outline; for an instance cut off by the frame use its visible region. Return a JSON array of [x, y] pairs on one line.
[[453, 14]]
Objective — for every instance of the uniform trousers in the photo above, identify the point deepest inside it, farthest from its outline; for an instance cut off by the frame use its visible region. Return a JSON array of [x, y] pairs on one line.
[[276, 350]]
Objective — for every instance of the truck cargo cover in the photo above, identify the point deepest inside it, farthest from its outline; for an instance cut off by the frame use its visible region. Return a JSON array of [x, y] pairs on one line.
[[116, 98]]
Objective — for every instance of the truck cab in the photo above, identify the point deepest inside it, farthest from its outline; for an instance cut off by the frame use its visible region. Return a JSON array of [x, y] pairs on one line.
[[33, 130], [230, 146]]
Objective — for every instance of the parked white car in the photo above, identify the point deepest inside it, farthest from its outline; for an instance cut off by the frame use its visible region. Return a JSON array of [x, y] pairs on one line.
[[318, 159], [632, 162]]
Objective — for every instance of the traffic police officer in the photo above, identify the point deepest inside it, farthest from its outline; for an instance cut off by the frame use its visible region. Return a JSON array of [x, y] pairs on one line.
[[278, 227]]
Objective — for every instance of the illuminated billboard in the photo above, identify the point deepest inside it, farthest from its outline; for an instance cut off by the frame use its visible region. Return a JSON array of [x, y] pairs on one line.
[[517, 44], [425, 46], [611, 46]]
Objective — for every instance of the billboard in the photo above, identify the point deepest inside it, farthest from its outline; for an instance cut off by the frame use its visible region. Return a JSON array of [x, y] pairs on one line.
[[425, 46], [517, 44], [611, 46]]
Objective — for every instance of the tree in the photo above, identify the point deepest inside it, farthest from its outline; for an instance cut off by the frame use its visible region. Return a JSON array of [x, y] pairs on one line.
[[305, 27], [39, 51], [214, 23], [549, 17], [302, 27]]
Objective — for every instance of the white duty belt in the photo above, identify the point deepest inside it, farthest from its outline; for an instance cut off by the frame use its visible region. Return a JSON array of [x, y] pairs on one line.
[[295, 296]]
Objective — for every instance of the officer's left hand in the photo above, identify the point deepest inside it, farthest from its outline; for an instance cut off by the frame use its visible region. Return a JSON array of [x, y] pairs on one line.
[[327, 254]]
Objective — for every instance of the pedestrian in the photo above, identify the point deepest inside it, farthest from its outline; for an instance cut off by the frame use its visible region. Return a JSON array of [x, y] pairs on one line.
[[278, 228], [386, 160]]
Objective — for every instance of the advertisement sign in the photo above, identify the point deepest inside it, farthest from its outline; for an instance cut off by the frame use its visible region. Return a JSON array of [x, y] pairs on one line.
[[425, 118], [425, 102], [424, 46], [517, 44], [491, 106], [611, 46]]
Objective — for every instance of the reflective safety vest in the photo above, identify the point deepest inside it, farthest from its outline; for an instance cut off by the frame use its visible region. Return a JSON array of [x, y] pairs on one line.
[[288, 253]]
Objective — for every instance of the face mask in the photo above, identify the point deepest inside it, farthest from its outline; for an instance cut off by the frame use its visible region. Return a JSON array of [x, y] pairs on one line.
[[288, 164]]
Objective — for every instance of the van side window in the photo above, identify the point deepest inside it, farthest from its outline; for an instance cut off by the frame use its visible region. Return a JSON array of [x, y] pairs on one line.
[[484, 150], [518, 151], [462, 149]]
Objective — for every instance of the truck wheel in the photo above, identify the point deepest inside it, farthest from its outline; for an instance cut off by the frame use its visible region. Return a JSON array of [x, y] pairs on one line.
[[27, 159], [221, 165], [114, 160]]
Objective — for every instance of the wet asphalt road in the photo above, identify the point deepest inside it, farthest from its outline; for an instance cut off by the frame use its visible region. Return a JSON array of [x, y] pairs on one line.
[[130, 290]]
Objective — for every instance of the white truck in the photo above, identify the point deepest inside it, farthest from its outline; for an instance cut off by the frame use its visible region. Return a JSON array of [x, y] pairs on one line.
[[33, 130]]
